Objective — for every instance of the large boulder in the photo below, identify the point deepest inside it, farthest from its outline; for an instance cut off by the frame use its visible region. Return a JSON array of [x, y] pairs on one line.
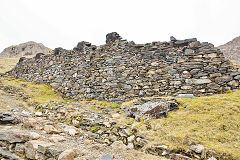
[[155, 108]]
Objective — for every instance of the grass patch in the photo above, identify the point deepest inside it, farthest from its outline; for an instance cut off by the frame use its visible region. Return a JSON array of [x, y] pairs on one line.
[[116, 106], [38, 93], [6, 64], [213, 121]]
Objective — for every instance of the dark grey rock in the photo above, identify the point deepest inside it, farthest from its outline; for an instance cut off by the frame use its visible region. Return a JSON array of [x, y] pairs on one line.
[[80, 46], [8, 155], [112, 37], [14, 136], [54, 152], [173, 39], [6, 118]]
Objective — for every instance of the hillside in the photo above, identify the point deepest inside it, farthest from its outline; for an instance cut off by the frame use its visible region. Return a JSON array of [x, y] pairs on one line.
[[231, 50], [7, 64], [28, 49]]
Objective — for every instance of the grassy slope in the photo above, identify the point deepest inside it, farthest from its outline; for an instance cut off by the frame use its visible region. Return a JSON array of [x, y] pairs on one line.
[[38, 93], [213, 121], [7, 64]]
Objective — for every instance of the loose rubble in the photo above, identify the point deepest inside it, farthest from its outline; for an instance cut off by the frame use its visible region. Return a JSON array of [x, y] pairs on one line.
[[54, 133]]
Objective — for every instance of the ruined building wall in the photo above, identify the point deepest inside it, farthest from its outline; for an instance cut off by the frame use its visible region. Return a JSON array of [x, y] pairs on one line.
[[122, 70]]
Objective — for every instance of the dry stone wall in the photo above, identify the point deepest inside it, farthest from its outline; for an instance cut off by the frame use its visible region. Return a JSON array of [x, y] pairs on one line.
[[121, 70]]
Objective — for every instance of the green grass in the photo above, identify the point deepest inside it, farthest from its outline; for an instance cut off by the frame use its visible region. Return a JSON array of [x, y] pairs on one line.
[[213, 121], [38, 93], [116, 106]]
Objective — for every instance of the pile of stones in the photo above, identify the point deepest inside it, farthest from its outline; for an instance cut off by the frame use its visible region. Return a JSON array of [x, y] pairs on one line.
[[48, 132], [100, 124], [37, 137]]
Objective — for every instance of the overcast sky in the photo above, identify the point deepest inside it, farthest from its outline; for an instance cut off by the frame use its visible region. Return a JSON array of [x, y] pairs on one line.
[[63, 23]]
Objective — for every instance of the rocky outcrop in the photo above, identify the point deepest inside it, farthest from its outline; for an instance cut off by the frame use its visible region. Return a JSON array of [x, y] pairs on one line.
[[231, 50], [122, 70], [29, 49]]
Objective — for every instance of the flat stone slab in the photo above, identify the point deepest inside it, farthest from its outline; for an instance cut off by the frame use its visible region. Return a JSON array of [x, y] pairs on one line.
[[6, 118], [14, 136], [185, 96]]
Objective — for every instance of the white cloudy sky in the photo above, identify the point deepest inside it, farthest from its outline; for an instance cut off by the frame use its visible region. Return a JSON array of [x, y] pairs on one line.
[[65, 22]]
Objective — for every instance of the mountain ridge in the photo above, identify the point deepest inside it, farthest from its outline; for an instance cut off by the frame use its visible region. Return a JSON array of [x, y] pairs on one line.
[[29, 49], [231, 50]]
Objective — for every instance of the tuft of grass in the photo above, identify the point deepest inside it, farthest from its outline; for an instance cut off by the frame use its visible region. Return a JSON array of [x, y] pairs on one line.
[[6, 64], [39, 93], [213, 121], [116, 106]]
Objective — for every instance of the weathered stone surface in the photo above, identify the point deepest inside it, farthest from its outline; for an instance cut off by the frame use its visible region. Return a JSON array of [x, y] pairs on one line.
[[14, 136], [71, 130], [197, 148], [112, 37], [223, 79], [201, 81], [31, 148], [185, 96], [51, 129], [56, 138], [8, 155], [43, 148], [179, 157], [34, 135], [54, 152], [237, 77], [67, 155], [38, 114], [155, 109], [19, 148], [6, 118], [81, 45]]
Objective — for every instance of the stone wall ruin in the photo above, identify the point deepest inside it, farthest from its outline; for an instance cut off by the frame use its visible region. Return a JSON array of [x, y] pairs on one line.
[[121, 70]]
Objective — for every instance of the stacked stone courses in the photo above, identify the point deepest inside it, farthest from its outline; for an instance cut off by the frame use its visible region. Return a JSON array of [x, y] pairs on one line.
[[121, 70]]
